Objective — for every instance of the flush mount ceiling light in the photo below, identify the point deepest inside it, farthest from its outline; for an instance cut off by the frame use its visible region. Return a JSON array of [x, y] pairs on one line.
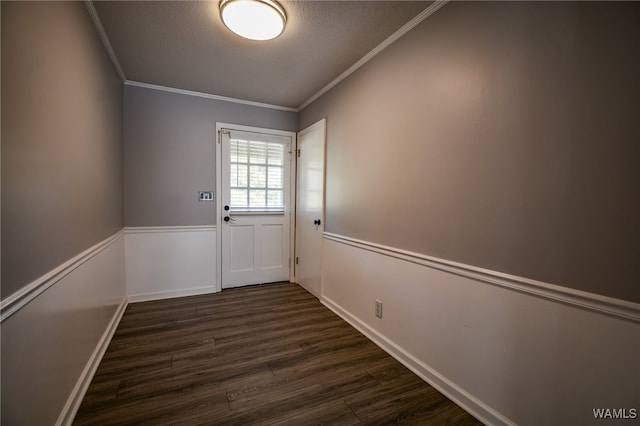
[[253, 19]]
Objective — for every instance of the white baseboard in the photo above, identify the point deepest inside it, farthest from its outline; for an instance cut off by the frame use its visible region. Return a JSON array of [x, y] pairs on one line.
[[169, 294], [80, 389], [54, 335], [506, 355], [445, 386]]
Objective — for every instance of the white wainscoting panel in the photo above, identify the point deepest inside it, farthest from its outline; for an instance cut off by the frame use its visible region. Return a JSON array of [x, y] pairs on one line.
[[165, 262], [52, 344], [507, 356]]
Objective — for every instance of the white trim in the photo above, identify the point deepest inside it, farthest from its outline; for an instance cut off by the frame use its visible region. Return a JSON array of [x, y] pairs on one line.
[[474, 406], [163, 229], [80, 389], [253, 129], [207, 96], [292, 202], [170, 294], [593, 302], [437, 4], [218, 161], [293, 191], [234, 212], [321, 123], [105, 39], [25, 295]]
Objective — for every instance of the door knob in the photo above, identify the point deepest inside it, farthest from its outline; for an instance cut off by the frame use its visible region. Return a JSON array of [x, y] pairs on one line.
[[228, 219]]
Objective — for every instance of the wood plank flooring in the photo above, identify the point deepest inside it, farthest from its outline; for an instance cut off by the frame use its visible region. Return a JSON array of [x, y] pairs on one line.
[[259, 355]]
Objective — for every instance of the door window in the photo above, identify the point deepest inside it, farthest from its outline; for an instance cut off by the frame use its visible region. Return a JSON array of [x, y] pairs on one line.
[[257, 176]]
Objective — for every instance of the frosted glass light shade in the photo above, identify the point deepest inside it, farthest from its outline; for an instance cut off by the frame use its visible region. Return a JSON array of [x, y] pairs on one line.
[[253, 19]]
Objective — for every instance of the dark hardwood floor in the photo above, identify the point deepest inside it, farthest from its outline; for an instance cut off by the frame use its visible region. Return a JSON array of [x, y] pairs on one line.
[[258, 355]]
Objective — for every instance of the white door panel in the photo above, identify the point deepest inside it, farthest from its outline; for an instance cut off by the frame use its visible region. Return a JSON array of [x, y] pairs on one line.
[[310, 207], [255, 202], [241, 237], [273, 237]]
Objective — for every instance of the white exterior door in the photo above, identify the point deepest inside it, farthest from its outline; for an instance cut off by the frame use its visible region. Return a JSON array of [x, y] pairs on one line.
[[255, 203], [310, 207]]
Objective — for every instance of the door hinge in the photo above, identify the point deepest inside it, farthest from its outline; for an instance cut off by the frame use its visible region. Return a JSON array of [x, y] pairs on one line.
[[298, 151], [222, 132], [297, 259]]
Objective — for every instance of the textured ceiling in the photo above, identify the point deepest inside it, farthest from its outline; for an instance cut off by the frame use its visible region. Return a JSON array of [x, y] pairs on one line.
[[184, 45]]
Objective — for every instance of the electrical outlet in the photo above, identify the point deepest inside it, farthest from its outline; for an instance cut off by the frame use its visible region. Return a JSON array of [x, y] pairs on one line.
[[379, 308]]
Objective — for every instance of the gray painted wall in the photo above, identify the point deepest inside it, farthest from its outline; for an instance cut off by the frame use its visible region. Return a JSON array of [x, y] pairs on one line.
[[170, 153], [61, 139], [502, 135]]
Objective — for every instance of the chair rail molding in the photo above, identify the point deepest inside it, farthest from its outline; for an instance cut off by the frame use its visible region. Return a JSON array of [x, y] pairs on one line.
[[618, 308], [25, 295]]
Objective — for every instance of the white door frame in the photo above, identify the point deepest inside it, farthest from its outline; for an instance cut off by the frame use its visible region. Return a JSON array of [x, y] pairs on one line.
[[323, 125], [292, 200]]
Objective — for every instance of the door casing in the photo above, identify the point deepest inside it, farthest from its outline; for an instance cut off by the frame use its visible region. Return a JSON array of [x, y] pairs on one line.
[[292, 177], [308, 242]]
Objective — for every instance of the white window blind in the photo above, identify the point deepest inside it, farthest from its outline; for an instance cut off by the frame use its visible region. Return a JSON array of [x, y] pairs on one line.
[[257, 176]]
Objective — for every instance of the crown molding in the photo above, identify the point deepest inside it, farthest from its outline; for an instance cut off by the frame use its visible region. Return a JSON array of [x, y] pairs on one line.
[[207, 96], [435, 6], [105, 39], [379, 48]]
